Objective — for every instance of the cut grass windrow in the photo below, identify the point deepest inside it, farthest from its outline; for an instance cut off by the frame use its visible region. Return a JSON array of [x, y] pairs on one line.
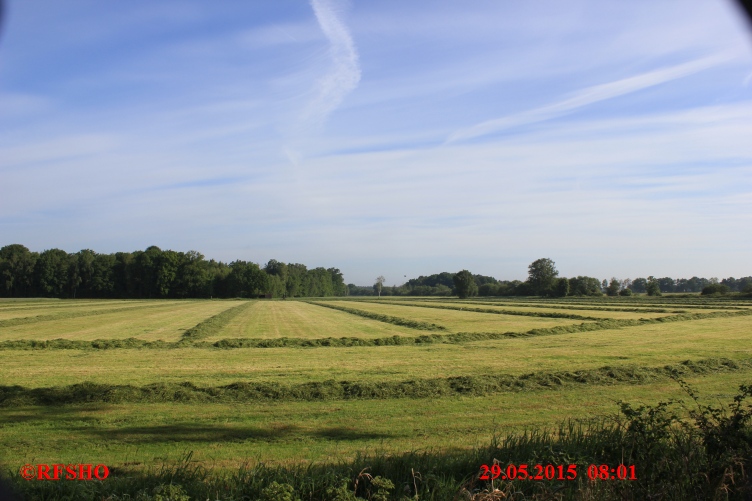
[[348, 390], [213, 324], [638, 303], [346, 342], [488, 310], [584, 308], [404, 322]]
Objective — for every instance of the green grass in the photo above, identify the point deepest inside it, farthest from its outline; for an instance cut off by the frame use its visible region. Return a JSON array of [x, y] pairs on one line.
[[455, 320], [153, 320], [36, 308], [593, 312], [230, 434], [278, 319]]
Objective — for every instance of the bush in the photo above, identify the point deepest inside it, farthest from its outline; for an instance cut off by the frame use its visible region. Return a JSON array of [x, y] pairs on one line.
[[653, 288], [561, 288], [626, 292], [715, 289], [279, 492], [488, 290]]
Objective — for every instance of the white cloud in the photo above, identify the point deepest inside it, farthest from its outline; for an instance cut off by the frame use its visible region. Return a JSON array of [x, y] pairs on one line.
[[345, 72], [589, 96]]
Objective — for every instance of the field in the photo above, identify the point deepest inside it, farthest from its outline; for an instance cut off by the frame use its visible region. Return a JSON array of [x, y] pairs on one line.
[[139, 383]]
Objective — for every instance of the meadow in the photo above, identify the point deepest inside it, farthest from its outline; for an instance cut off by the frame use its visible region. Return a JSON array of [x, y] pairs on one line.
[[236, 384]]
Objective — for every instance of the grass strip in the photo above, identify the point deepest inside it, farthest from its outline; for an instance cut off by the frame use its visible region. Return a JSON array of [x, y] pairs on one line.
[[700, 304], [587, 308], [404, 322], [346, 342], [12, 322], [187, 392], [632, 302], [213, 324], [489, 310]]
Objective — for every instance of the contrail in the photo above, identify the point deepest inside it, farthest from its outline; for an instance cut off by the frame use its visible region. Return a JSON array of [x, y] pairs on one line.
[[345, 74], [590, 95]]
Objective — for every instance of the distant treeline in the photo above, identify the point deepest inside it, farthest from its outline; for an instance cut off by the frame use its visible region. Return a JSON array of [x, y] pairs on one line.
[[442, 284], [155, 273]]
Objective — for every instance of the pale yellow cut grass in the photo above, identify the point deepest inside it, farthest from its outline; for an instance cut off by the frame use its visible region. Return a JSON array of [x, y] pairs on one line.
[[624, 303], [460, 321], [152, 321], [275, 319], [72, 307], [651, 346], [537, 309]]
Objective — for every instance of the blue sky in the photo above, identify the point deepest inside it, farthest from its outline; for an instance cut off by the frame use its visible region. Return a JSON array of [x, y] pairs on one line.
[[384, 138]]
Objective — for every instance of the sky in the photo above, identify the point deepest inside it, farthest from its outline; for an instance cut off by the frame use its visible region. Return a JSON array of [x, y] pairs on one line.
[[383, 138]]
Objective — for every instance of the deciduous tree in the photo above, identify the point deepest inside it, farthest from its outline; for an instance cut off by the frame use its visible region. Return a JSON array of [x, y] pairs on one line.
[[541, 276], [464, 283]]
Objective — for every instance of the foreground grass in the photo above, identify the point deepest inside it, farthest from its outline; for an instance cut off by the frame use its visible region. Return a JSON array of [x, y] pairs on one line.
[[227, 435], [674, 458]]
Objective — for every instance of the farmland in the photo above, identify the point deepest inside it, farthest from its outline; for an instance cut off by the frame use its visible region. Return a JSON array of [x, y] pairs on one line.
[[139, 383]]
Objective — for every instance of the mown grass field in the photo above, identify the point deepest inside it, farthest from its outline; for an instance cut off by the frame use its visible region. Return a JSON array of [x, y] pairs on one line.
[[325, 380], [298, 319]]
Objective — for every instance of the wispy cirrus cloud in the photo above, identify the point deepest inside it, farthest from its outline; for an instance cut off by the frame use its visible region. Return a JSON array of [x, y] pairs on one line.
[[344, 76], [591, 95]]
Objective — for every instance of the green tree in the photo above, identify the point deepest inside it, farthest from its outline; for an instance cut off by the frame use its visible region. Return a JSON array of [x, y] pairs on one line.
[[613, 287], [278, 268], [193, 277], [338, 282], [74, 275], [584, 286], [541, 276], [561, 289], [295, 274], [653, 287], [103, 276], [464, 284], [16, 270], [84, 267], [639, 285], [715, 289], [51, 273]]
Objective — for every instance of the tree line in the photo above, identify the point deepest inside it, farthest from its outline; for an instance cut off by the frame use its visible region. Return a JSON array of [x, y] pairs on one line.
[[544, 280], [155, 273]]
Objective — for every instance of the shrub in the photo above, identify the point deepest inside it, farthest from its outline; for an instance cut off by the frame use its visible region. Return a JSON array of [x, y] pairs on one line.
[[626, 292], [279, 492], [715, 289]]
